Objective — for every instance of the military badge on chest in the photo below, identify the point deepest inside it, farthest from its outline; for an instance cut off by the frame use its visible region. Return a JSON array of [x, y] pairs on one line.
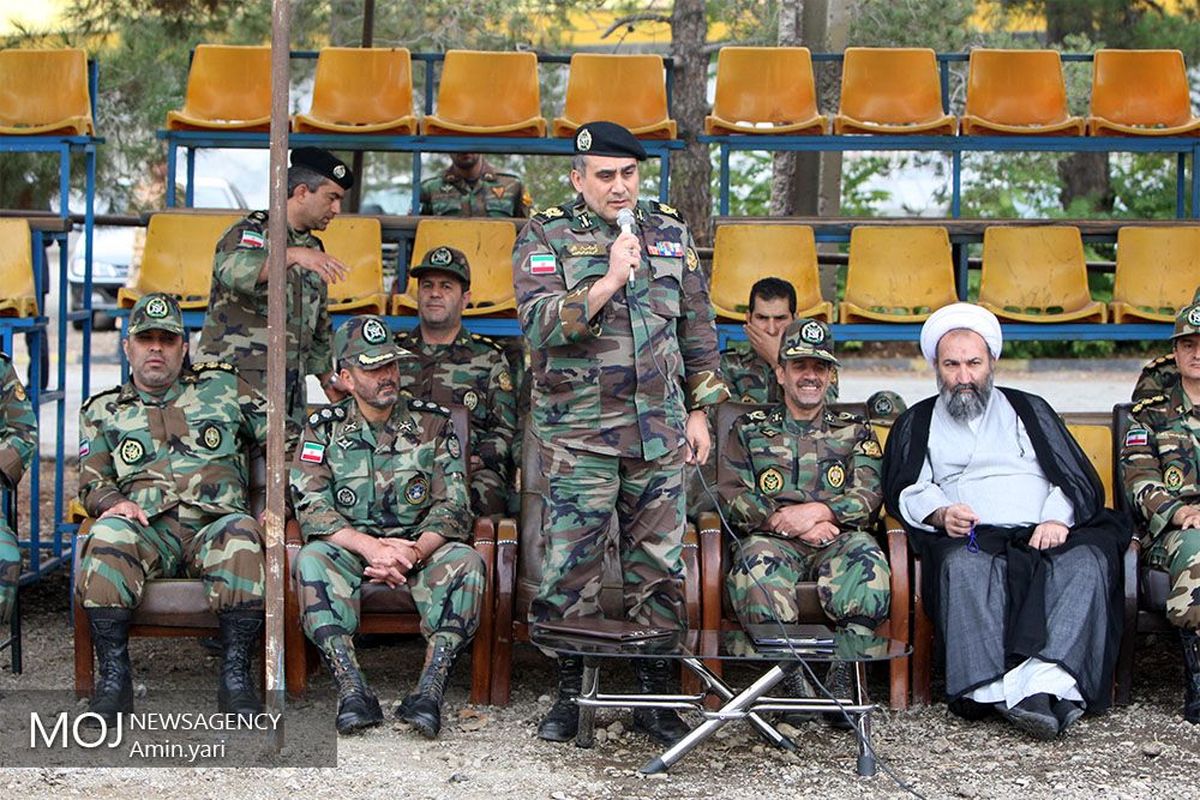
[[835, 476], [452, 446], [131, 451], [470, 400], [1173, 477], [770, 481], [211, 437], [416, 491], [345, 496]]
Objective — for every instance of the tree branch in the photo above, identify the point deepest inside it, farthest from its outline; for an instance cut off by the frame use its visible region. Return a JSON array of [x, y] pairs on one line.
[[623, 21]]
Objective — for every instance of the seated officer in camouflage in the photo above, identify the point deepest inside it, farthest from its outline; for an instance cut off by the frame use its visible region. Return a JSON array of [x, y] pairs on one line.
[[453, 366], [1160, 375], [471, 187], [1161, 469], [18, 446], [235, 328], [801, 488], [380, 493], [164, 468]]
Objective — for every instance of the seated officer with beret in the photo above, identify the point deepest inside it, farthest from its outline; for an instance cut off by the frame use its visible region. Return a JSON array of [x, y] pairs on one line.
[[380, 493]]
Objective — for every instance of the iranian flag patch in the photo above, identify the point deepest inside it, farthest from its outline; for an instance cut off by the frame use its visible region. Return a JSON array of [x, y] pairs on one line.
[[312, 453], [542, 264], [252, 239]]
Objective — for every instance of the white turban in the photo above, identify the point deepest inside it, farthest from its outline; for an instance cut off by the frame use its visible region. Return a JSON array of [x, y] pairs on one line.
[[955, 316]]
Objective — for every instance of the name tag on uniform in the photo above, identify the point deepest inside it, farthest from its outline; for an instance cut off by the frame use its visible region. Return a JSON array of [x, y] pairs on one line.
[[585, 249], [312, 453], [542, 264], [670, 249]]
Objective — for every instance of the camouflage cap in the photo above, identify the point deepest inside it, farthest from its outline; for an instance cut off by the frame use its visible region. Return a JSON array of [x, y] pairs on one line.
[[1188, 321], [444, 259], [365, 341], [807, 338], [156, 312]]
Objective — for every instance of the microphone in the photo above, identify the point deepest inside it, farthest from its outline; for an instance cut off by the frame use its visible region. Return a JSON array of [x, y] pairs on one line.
[[626, 220]]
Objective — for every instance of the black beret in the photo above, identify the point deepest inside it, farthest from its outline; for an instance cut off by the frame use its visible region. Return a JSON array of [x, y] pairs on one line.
[[607, 139], [324, 163]]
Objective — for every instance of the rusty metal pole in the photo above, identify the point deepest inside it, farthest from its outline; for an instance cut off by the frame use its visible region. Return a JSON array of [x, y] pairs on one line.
[[277, 350]]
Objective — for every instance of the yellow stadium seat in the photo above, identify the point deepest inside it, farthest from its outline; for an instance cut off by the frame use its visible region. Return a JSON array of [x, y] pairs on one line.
[[1037, 274], [488, 246], [178, 258], [630, 90], [75, 512], [765, 90], [228, 88], [1017, 92], [361, 90], [1097, 442], [890, 91], [897, 274], [1158, 270], [358, 243], [1141, 93], [44, 92], [18, 299], [745, 253], [487, 94]]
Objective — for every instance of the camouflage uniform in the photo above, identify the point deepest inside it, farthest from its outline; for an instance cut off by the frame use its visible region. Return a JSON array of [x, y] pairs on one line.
[[495, 194], [235, 328], [609, 397], [18, 446], [1158, 377], [473, 372]]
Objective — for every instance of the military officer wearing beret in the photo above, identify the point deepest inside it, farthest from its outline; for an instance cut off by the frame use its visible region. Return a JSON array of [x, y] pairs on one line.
[[471, 187], [1161, 474], [164, 469], [380, 493], [624, 362], [235, 328], [18, 446], [801, 487], [453, 366]]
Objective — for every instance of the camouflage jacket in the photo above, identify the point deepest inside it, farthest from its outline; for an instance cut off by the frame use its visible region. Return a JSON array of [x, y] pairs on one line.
[[473, 372], [752, 380], [235, 328], [1159, 458], [19, 434], [402, 480], [495, 194], [186, 449], [618, 380], [1159, 376], [769, 461]]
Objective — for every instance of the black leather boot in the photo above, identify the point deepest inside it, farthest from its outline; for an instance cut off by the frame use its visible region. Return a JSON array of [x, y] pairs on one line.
[[838, 683], [113, 694], [657, 676], [239, 637], [796, 686], [423, 708], [1191, 675], [358, 708], [562, 722]]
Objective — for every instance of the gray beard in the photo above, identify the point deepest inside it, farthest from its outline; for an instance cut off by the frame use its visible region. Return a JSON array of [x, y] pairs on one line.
[[965, 406]]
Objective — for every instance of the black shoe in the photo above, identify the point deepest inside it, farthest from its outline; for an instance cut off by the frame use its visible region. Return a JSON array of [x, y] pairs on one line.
[[239, 637], [562, 722], [358, 708], [663, 725], [423, 708], [796, 686], [971, 710], [113, 693], [838, 684], [1067, 712], [1034, 716], [1191, 675]]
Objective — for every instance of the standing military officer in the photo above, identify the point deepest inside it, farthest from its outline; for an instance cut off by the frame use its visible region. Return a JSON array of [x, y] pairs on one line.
[[471, 187], [163, 467], [453, 366], [235, 328], [1162, 481], [379, 490], [18, 446], [625, 361], [801, 488]]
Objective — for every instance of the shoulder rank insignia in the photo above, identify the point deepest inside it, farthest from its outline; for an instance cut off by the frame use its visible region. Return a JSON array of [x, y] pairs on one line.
[[205, 366], [871, 449], [770, 481], [418, 404], [757, 416], [326, 415], [553, 212], [1169, 358], [663, 208], [478, 337], [1147, 402], [258, 216], [19, 391], [97, 396]]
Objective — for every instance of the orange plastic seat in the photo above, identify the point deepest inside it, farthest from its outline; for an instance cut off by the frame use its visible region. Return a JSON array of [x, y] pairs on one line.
[[1017, 92], [765, 90], [1158, 270], [630, 90], [897, 274], [1097, 443], [18, 299], [178, 258], [45, 92], [891, 90], [488, 246], [361, 90], [487, 94], [228, 88], [745, 253], [1141, 93], [358, 243], [1037, 274]]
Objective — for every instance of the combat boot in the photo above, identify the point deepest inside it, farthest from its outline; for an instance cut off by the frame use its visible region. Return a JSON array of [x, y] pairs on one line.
[[657, 676], [795, 685], [1191, 675], [838, 684], [562, 722], [358, 708], [113, 694], [423, 708], [239, 636]]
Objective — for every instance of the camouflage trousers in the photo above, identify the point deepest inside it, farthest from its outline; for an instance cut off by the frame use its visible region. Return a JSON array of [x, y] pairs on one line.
[[489, 494], [853, 580], [1178, 552], [120, 555], [581, 493], [447, 590], [10, 570]]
